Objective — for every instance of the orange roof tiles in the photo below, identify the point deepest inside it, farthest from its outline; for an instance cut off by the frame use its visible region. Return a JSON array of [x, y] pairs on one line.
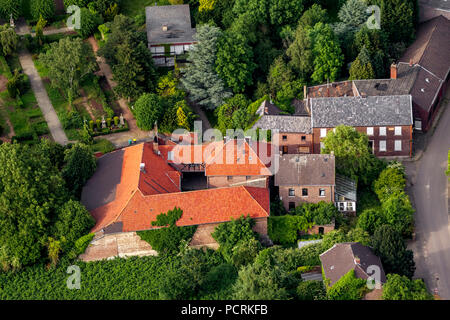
[[141, 196]]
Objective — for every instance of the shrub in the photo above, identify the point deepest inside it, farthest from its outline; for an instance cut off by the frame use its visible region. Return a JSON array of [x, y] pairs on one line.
[[116, 121], [399, 287], [81, 245], [89, 22], [348, 287], [91, 125], [284, 229], [390, 182], [108, 122], [71, 120], [99, 123], [311, 290], [168, 238], [229, 234]]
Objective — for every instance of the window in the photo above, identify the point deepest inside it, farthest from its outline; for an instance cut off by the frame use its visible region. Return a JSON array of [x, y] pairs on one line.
[[398, 145], [321, 192], [291, 206], [229, 178], [370, 131], [382, 145], [305, 192], [371, 145], [291, 192], [303, 138], [170, 156], [248, 177], [285, 149], [284, 138], [382, 131], [350, 206], [323, 133], [341, 206], [398, 131]]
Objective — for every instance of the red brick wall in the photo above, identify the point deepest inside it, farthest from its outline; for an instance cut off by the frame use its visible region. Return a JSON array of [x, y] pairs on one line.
[[294, 141], [313, 195], [222, 181], [390, 137], [326, 228]]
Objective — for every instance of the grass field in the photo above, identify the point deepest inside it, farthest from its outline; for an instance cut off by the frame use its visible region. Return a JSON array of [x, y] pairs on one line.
[[134, 7]]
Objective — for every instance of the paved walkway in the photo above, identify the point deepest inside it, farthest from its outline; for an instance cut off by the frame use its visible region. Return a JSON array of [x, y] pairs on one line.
[[119, 139], [428, 188], [42, 98]]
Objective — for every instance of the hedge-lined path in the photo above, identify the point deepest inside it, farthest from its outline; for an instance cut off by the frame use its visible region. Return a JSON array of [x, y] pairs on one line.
[[42, 98], [119, 139]]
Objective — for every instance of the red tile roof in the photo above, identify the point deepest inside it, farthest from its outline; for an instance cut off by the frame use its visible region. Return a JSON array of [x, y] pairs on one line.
[[141, 196]]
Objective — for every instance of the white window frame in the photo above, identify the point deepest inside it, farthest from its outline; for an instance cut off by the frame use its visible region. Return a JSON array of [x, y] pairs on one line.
[[382, 131], [170, 156], [398, 145], [398, 131], [289, 192], [324, 192], [323, 132], [370, 131], [381, 142]]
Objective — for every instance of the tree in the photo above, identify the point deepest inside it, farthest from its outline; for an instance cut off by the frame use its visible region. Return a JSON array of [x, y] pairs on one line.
[[279, 75], [370, 219], [388, 244], [10, 7], [182, 118], [80, 166], [398, 213], [229, 234], [245, 252], [148, 109], [200, 79], [68, 61], [260, 282], [300, 53], [31, 191], [399, 287], [8, 40], [396, 13], [353, 156], [391, 182], [234, 63], [284, 12], [226, 111], [89, 22], [73, 222], [362, 68], [328, 58], [313, 15], [207, 5], [44, 8], [353, 13]]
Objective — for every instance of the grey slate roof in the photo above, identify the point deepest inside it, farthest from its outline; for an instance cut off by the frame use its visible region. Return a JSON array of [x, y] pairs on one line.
[[345, 187], [340, 259], [178, 20], [361, 112], [306, 169], [284, 123]]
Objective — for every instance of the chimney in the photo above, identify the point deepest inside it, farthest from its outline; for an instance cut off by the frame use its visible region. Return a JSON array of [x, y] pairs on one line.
[[357, 260], [155, 145], [164, 27], [266, 109], [410, 62], [394, 69]]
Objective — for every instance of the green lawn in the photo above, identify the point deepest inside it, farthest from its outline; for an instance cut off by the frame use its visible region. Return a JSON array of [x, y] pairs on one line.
[[134, 7]]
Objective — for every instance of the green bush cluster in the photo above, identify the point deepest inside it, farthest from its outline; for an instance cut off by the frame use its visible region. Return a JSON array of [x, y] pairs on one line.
[[348, 287]]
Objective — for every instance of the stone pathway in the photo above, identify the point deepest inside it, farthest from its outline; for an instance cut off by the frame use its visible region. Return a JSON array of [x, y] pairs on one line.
[[42, 98]]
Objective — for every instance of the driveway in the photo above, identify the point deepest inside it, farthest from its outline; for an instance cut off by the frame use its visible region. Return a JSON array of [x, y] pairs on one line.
[[429, 192]]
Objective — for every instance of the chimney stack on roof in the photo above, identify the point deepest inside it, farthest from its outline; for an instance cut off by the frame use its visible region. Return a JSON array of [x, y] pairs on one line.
[[410, 62], [394, 69], [357, 260], [164, 27]]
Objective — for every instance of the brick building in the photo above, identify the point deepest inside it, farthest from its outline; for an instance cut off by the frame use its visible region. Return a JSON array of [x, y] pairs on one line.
[[387, 121], [294, 134], [132, 186], [305, 179], [169, 32]]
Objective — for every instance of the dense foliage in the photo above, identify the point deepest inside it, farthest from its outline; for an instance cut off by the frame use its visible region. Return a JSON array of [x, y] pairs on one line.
[[348, 287], [69, 61], [401, 288], [148, 109], [36, 210], [8, 40], [168, 238]]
